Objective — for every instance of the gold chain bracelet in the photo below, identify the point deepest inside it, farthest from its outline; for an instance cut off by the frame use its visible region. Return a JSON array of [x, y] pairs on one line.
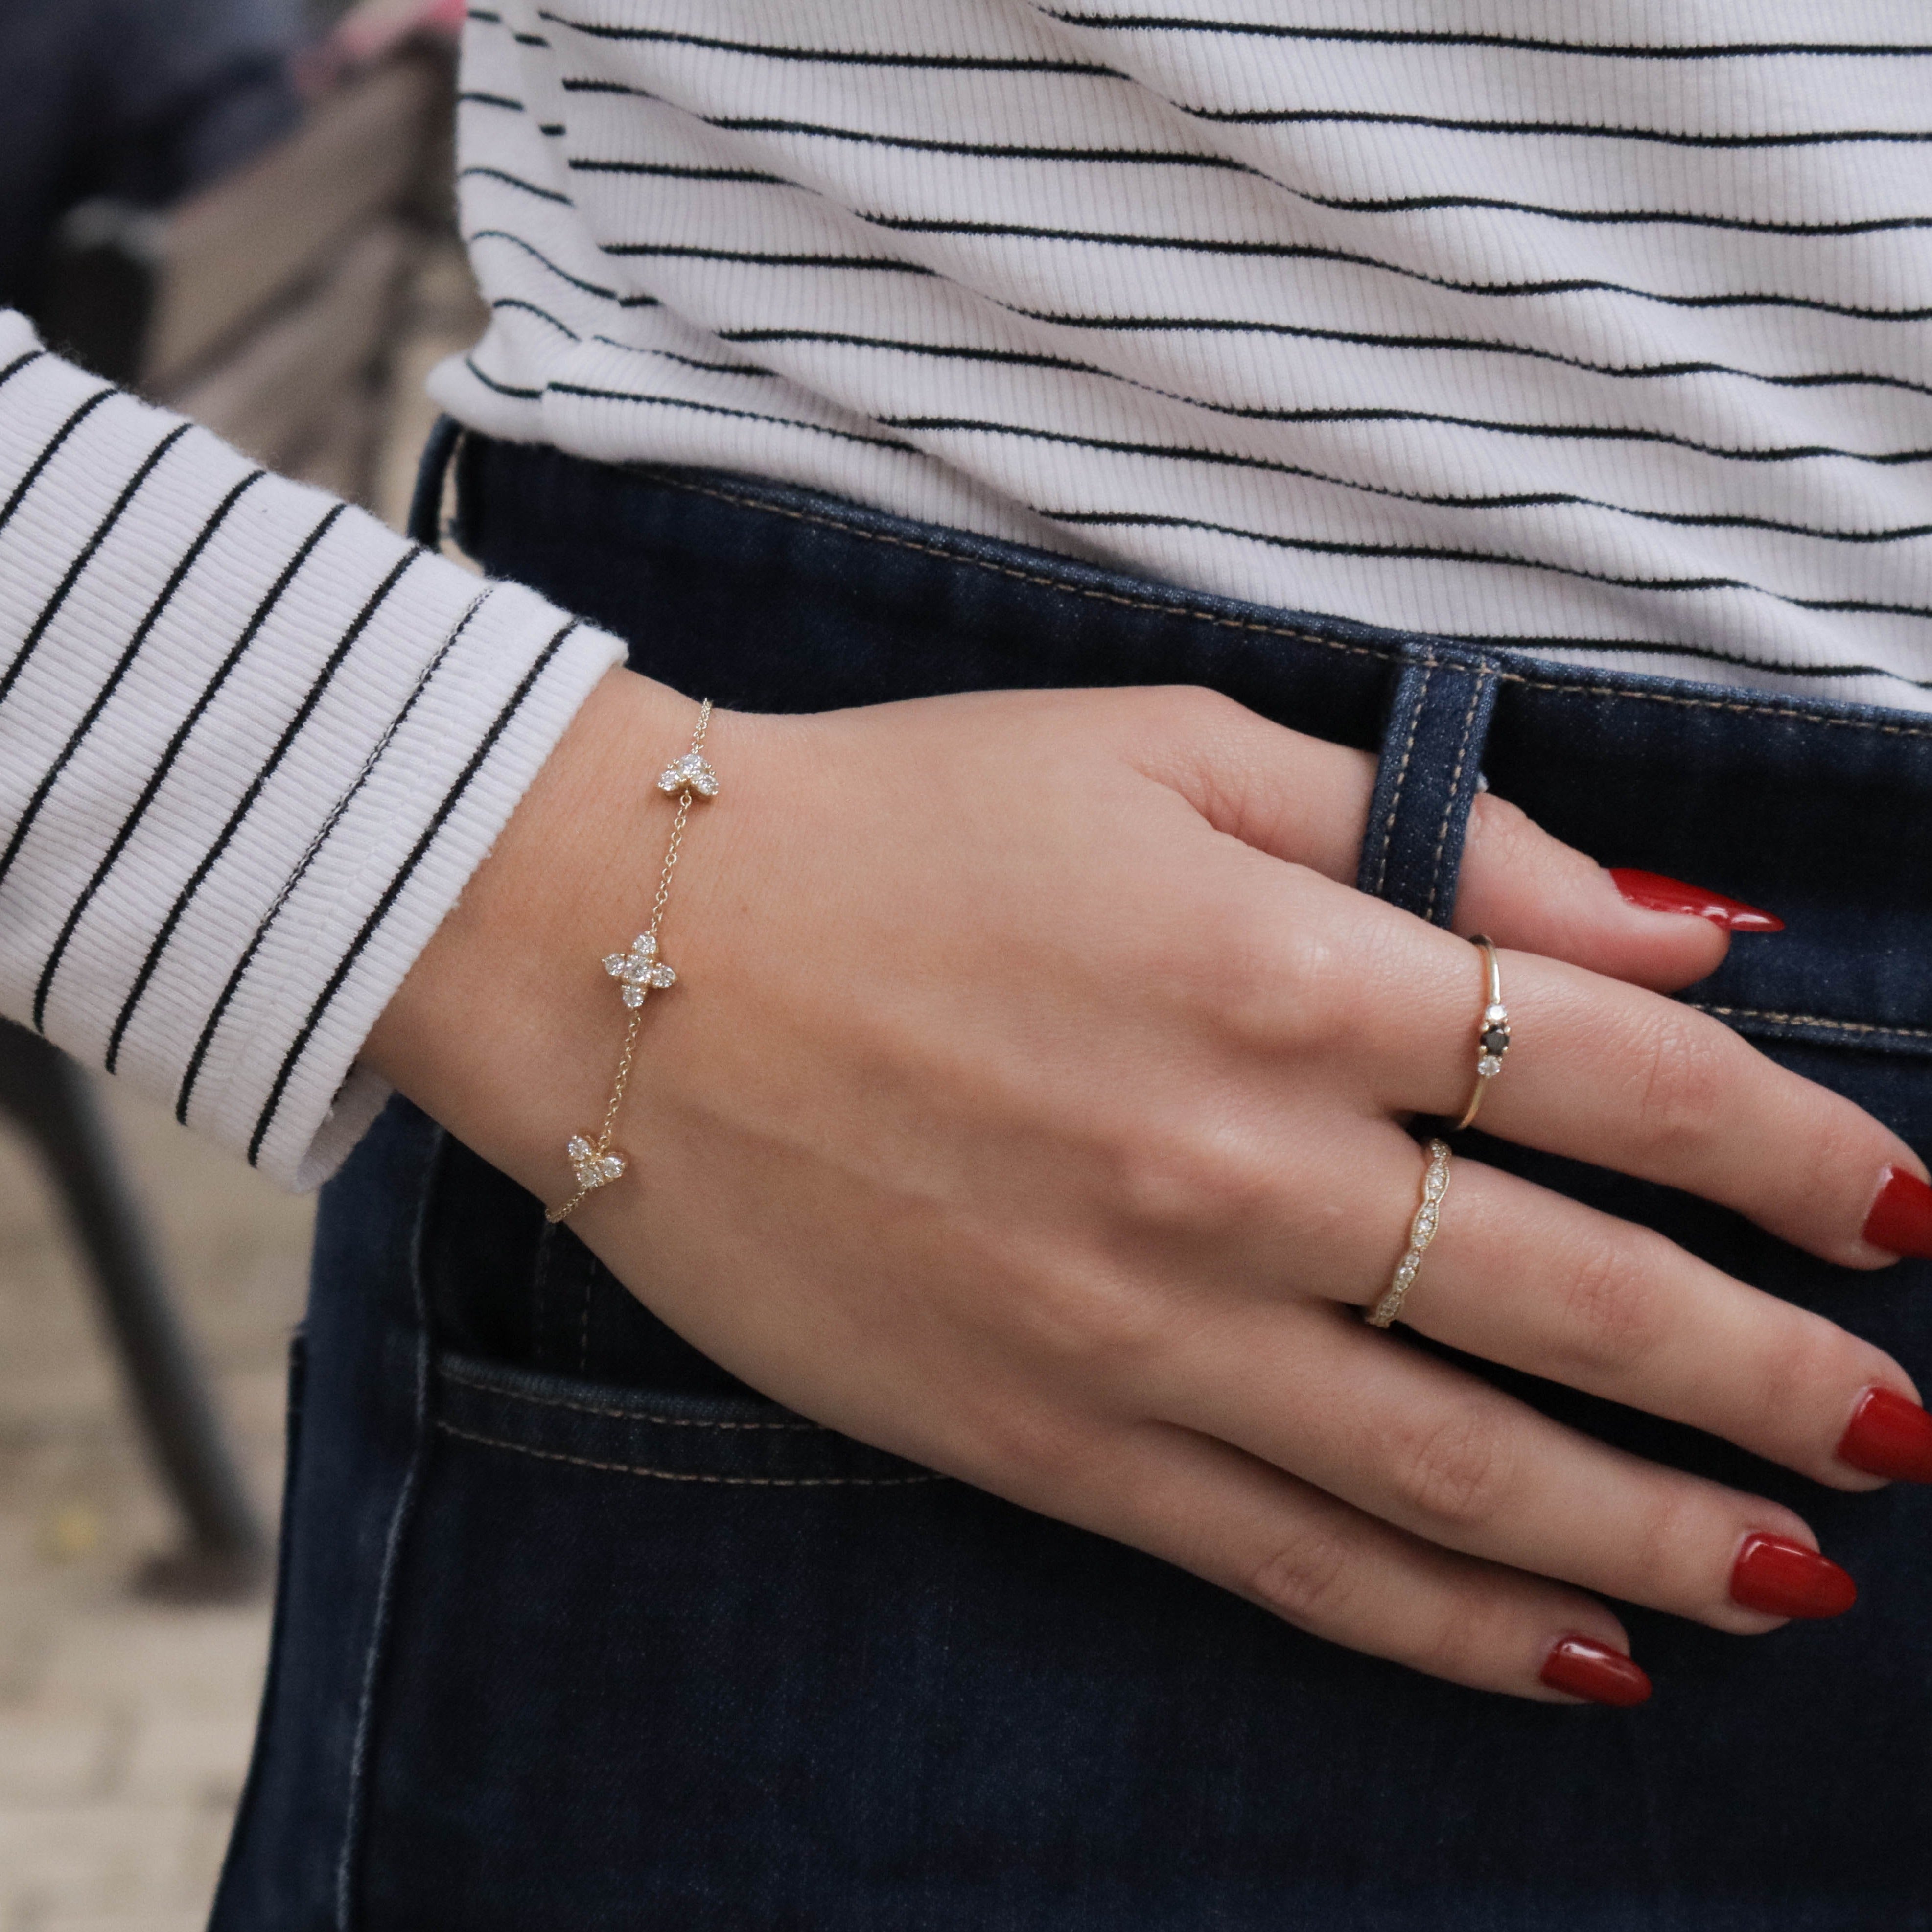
[[640, 971]]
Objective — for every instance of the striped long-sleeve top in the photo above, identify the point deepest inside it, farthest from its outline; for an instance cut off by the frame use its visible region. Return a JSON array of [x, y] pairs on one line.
[[1601, 327], [252, 744], [1601, 330]]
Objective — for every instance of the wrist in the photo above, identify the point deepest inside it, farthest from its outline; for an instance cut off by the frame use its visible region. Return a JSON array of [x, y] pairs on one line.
[[502, 1031]]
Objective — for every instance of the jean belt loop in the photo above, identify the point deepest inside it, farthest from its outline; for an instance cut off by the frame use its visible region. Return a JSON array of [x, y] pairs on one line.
[[1430, 772], [425, 523]]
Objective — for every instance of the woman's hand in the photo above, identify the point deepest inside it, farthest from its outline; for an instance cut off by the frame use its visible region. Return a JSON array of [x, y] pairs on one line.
[[1031, 1104]]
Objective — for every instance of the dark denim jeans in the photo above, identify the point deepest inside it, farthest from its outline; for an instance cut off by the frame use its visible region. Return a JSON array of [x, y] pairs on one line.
[[576, 1631]]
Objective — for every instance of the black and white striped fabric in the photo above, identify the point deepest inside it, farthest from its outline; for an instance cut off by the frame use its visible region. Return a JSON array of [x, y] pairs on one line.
[[1601, 328], [252, 744]]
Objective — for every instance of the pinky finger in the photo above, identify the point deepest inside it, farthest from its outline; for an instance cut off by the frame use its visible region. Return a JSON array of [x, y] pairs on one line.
[[1334, 1571]]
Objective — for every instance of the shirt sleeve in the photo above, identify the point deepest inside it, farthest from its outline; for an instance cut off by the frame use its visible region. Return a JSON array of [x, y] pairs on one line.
[[253, 745]]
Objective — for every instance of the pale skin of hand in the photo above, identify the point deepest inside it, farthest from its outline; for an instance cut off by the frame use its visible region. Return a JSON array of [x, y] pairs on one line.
[[1031, 1104]]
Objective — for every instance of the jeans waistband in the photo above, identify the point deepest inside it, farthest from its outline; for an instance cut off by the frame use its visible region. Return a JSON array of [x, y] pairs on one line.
[[768, 596]]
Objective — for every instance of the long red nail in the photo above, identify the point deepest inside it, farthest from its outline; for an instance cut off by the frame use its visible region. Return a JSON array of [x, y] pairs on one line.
[[1783, 1579], [1584, 1668], [1655, 893], [1900, 1220], [1890, 1435]]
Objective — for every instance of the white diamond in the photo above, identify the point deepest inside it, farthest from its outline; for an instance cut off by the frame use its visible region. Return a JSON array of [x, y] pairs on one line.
[[1495, 1014], [639, 968], [690, 770], [1488, 1067], [593, 1169]]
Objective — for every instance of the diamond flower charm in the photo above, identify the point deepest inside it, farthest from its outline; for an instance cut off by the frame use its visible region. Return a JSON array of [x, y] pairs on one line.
[[593, 1169], [640, 969], [691, 770], [1493, 1041]]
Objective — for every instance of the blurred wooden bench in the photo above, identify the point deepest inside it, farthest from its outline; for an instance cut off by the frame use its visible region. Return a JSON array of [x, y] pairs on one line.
[[268, 306]]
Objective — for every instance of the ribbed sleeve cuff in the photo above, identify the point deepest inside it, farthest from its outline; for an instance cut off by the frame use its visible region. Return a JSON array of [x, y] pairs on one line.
[[253, 745]]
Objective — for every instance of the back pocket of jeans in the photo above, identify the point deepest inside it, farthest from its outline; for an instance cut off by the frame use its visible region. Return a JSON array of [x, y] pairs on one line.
[[651, 1434]]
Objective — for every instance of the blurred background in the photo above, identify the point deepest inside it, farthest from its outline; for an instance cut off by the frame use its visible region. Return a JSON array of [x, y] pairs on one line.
[[242, 208]]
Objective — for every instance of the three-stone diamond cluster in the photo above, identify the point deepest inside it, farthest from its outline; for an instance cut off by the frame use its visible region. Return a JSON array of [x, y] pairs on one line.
[[1494, 1041], [691, 770]]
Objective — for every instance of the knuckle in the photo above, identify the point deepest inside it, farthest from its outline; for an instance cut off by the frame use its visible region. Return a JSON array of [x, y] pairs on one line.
[[1613, 1313], [1230, 962], [1197, 1184], [1165, 723], [1294, 988], [1271, 974], [1454, 1644], [1680, 1069], [1304, 1580], [1456, 1474], [1197, 711], [1514, 846], [1027, 1448], [1094, 1323], [1786, 1372], [1667, 1527], [1844, 1148], [1508, 836], [1804, 1373]]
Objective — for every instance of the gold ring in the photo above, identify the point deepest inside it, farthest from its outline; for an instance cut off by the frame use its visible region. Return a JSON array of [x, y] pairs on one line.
[[1492, 1031], [1421, 1232]]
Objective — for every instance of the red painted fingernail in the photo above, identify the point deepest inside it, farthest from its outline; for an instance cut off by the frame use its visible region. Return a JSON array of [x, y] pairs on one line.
[[1655, 893], [1584, 1668], [1889, 1435], [1900, 1220], [1783, 1579]]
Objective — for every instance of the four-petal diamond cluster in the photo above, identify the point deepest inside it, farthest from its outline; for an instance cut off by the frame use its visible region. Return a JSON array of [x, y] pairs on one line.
[[640, 969], [691, 770], [593, 1169]]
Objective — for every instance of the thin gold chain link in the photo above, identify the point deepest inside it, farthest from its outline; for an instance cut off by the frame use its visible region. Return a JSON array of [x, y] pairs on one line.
[[601, 1148]]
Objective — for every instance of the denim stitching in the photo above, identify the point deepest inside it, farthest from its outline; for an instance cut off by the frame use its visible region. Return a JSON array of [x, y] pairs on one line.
[[1455, 789], [1033, 577], [1402, 779], [386, 1589], [1812, 1020], [1250, 624], [1795, 712], [688, 1476], [620, 1415]]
